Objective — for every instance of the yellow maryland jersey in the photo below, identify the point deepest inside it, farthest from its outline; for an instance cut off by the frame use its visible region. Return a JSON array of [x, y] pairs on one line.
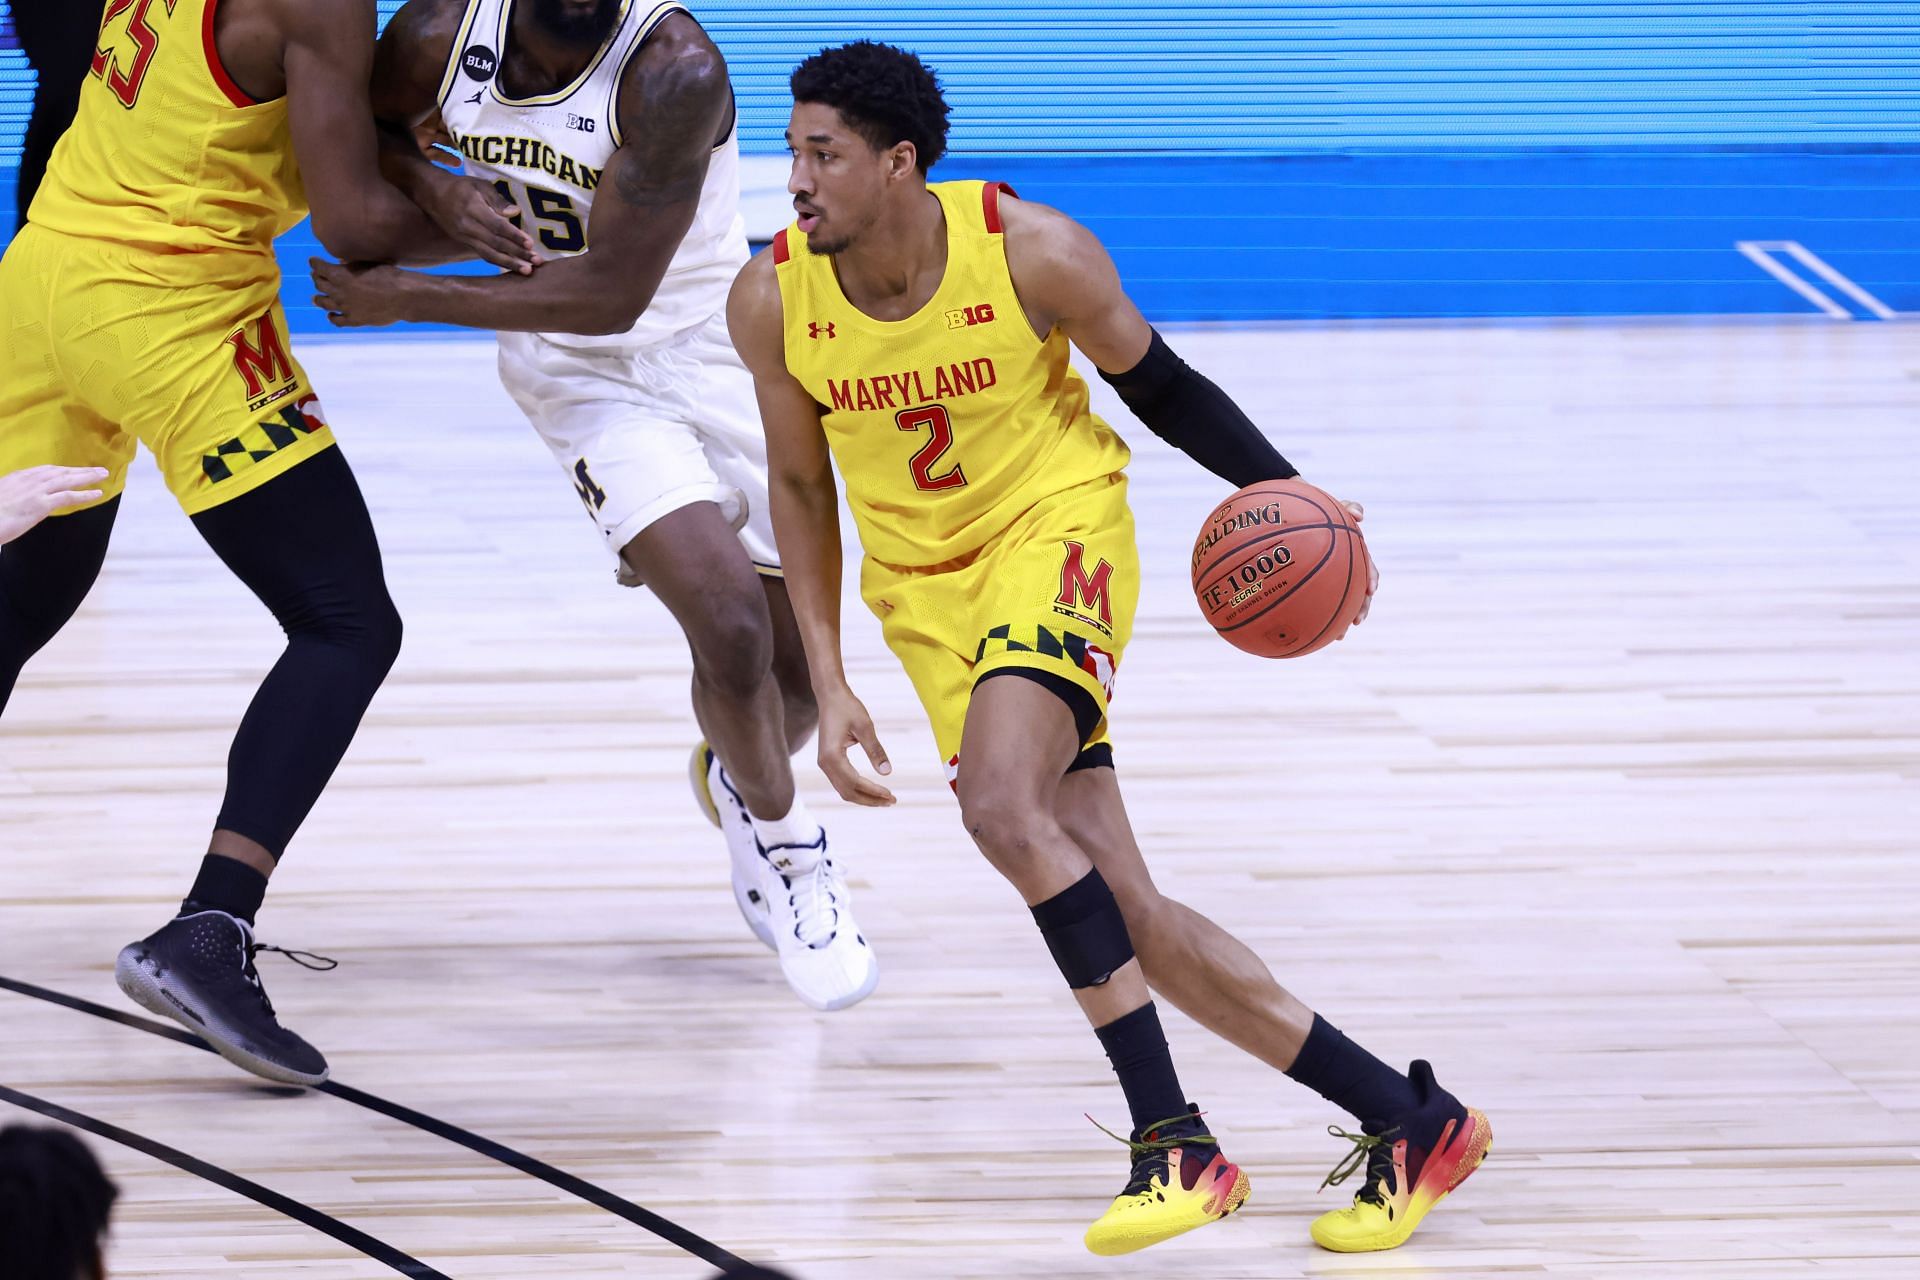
[[949, 425], [167, 154]]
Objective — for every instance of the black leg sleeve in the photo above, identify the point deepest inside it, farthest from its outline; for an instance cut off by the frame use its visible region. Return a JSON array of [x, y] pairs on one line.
[[44, 575], [304, 544]]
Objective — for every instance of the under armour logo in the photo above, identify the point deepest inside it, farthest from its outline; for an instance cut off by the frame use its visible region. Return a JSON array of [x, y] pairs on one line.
[[815, 329]]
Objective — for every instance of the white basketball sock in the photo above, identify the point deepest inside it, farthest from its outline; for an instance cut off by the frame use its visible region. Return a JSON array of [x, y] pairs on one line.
[[798, 827]]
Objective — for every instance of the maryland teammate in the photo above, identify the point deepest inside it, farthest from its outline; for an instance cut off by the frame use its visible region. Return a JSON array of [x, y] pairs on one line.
[[920, 333], [141, 303]]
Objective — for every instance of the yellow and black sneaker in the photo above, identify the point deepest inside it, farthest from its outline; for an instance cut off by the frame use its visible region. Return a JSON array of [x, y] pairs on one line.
[[1180, 1181], [1411, 1166]]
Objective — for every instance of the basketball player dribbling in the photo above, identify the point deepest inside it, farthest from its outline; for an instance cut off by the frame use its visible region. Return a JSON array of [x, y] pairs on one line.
[[141, 302], [607, 126], [919, 336]]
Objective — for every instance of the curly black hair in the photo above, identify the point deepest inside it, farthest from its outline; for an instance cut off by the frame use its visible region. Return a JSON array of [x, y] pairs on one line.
[[54, 1203], [887, 94]]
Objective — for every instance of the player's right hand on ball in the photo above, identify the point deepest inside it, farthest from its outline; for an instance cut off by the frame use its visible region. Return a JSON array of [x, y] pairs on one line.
[[475, 213], [844, 723], [1359, 513]]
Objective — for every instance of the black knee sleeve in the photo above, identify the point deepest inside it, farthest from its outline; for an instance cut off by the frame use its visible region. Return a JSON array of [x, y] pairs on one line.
[[1085, 931]]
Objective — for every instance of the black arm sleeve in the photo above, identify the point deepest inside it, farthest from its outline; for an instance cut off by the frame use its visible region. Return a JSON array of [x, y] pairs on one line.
[[1184, 408]]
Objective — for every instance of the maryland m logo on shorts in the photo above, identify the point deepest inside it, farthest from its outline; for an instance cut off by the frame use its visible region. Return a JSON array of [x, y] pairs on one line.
[[260, 358], [266, 377]]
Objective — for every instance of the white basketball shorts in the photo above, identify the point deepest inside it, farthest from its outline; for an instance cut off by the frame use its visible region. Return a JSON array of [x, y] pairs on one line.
[[641, 433]]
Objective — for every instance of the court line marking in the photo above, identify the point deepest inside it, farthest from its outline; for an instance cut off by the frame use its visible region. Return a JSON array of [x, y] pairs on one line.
[[1760, 253], [598, 1196], [378, 1250]]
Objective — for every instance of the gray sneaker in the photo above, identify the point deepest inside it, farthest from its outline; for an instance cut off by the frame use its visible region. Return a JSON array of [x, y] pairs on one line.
[[198, 970]]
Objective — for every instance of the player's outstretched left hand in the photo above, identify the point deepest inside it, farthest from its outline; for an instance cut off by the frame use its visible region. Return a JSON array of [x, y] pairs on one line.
[[357, 294], [30, 496], [1359, 513]]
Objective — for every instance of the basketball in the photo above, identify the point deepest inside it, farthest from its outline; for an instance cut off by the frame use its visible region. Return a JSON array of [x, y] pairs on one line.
[[1280, 569]]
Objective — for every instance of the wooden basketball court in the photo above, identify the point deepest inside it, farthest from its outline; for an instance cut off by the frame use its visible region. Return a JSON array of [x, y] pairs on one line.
[[1611, 810]]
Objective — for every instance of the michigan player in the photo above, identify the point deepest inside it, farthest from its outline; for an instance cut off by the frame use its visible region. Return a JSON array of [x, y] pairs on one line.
[[141, 303], [919, 334], [608, 127]]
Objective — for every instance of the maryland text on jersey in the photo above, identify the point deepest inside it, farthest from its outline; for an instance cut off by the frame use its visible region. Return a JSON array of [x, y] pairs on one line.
[[914, 387]]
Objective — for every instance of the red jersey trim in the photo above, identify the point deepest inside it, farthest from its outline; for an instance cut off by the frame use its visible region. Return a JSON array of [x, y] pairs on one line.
[[990, 204], [235, 94], [780, 253]]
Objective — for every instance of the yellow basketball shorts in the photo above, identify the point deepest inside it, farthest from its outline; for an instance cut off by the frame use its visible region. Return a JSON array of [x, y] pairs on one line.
[[1055, 592], [97, 351]]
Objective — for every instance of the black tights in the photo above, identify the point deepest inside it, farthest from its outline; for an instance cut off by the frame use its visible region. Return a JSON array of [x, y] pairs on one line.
[[304, 544]]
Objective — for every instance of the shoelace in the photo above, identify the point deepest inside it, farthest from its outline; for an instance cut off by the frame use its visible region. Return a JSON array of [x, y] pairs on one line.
[[815, 899], [1372, 1151], [1150, 1153], [249, 949]]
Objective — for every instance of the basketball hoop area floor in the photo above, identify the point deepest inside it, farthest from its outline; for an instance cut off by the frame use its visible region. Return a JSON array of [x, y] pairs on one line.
[[1610, 810]]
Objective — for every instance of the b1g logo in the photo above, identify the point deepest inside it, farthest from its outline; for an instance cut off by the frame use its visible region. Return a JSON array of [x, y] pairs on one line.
[[478, 62], [580, 124], [964, 316]]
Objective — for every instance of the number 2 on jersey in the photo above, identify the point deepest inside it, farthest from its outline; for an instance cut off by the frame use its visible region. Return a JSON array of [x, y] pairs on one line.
[[560, 228], [106, 62], [935, 417]]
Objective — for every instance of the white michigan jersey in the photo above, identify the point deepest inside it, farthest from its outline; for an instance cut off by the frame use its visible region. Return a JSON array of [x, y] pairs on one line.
[[548, 152]]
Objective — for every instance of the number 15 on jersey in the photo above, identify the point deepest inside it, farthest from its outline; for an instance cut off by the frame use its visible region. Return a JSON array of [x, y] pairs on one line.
[[553, 215]]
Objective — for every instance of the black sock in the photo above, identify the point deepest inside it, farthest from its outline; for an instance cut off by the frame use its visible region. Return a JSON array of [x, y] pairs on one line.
[[1138, 1050], [1351, 1078], [226, 884]]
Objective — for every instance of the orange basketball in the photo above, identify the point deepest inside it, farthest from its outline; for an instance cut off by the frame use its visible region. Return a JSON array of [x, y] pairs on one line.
[[1280, 569]]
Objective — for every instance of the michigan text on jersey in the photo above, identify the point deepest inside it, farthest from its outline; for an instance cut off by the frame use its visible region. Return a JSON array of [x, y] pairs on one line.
[[509, 152]]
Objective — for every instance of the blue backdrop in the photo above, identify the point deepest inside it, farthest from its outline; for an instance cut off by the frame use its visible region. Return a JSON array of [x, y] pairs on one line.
[[1260, 161]]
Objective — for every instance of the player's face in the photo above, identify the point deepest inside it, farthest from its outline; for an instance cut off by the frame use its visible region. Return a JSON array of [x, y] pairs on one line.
[[838, 180], [584, 22]]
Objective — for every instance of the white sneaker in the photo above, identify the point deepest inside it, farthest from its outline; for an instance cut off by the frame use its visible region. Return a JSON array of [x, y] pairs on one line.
[[724, 809], [827, 963]]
